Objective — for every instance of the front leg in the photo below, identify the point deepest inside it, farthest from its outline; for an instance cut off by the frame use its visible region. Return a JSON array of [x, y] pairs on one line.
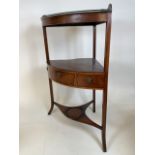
[[52, 96], [104, 113]]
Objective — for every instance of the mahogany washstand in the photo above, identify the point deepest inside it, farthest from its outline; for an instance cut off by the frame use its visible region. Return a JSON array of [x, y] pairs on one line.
[[82, 72]]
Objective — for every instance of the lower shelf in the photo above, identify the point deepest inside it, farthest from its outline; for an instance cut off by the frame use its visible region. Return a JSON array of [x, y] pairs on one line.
[[78, 113]]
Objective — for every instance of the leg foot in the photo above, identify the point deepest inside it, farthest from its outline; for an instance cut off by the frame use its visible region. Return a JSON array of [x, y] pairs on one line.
[[51, 109], [104, 147]]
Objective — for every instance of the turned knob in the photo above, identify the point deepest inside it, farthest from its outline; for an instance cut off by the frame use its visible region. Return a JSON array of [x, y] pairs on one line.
[[89, 80], [58, 74]]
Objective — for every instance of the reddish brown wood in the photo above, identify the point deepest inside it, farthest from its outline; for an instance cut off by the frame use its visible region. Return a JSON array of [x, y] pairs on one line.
[[94, 41], [94, 100], [78, 114], [60, 76], [76, 18], [78, 65], [104, 112], [73, 73], [106, 69], [89, 80], [52, 96], [83, 72], [46, 45], [94, 56]]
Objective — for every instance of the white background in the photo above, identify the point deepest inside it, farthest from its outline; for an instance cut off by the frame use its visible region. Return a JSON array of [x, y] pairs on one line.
[[75, 42], [145, 75]]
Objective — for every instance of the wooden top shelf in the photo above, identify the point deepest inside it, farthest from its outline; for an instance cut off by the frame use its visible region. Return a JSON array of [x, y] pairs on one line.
[[77, 12], [78, 65], [77, 18]]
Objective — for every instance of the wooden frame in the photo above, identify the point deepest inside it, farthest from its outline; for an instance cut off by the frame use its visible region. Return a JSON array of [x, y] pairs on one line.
[[69, 72]]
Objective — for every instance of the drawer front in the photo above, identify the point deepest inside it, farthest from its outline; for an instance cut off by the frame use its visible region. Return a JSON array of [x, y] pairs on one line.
[[90, 81], [62, 77]]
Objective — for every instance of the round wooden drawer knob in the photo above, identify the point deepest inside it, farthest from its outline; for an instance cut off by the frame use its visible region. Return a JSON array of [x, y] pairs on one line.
[[58, 74], [89, 80]]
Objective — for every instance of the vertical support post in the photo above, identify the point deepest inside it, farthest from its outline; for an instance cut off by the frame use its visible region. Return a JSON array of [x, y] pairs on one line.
[[48, 62], [106, 69], [94, 41], [94, 100], [104, 113], [46, 44], [94, 57], [107, 45]]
